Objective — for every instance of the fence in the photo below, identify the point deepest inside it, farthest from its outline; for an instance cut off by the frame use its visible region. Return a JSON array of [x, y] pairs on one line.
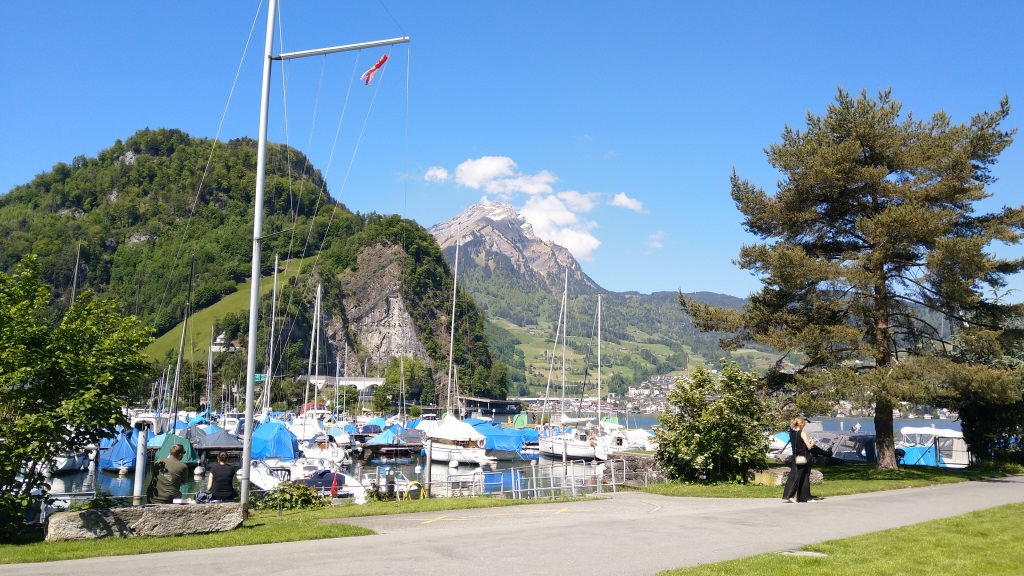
[[541, 479]]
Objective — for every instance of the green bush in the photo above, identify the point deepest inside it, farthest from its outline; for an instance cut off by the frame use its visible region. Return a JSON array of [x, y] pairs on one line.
[[291, 496], [715, 428], [102, 501]]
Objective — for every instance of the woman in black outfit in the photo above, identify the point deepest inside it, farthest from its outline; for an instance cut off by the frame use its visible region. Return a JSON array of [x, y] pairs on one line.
[[221, 481], [799, 482]]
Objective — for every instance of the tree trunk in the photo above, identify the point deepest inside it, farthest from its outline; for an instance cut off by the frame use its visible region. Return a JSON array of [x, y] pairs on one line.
[[885, 447]]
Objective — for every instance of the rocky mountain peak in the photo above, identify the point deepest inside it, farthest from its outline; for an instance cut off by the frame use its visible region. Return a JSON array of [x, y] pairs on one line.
[[495, 234]]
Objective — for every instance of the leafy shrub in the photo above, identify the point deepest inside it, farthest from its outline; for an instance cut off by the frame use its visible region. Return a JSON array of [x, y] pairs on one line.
[[102, 501], [715, 428], [291, 496]]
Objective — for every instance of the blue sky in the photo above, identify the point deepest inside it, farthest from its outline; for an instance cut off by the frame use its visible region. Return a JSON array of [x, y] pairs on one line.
[[613, 126]]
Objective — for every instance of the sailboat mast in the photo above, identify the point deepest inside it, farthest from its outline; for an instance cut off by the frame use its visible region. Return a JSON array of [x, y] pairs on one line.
[[265, 393], [344, 401], [312, 349], [316, 344], [257, 239], [209, 376], [257, 228], [451, 345], [599, 360], [565, 317], [74, 280]]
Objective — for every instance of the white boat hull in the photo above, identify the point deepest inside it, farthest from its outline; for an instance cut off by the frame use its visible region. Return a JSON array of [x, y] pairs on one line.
[[442, 452], [572, 448]]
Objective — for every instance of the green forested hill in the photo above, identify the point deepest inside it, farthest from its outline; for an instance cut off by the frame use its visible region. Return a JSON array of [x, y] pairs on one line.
[[643, 334], [142, 208]]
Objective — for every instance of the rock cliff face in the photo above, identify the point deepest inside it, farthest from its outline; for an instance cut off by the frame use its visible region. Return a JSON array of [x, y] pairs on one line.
[[493, 233], [375, 308]]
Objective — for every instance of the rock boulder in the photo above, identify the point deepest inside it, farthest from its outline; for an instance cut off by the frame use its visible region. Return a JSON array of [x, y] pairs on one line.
[[152, 520]]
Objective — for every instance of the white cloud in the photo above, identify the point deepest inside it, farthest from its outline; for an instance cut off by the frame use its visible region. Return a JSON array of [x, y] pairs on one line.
[[475, 173], [623, 201], [436, 174], [654, 240], [579, 202], [500, 175], [555, 222]]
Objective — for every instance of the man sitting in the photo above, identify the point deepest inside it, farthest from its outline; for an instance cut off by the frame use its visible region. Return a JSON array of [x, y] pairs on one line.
[[168, 475]]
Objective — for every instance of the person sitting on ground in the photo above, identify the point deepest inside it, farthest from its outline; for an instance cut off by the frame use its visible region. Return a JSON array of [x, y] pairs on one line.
[[220, 483], [169, 474], [799, 482]]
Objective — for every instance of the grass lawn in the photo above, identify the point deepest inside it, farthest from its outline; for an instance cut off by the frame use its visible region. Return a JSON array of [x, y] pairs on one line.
[[843, 479], [984, 542]]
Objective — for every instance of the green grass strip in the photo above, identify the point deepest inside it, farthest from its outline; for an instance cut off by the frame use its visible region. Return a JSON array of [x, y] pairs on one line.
[[262, 527], [844, 479], [983, 542]]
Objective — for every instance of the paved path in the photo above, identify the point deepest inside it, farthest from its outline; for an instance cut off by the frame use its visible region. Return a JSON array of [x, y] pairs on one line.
[[629, 533]]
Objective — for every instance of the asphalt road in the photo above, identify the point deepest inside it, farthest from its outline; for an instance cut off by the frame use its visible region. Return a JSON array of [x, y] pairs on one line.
[[628, 533]]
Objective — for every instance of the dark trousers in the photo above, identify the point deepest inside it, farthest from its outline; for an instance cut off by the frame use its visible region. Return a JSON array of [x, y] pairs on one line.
[[798, 484]]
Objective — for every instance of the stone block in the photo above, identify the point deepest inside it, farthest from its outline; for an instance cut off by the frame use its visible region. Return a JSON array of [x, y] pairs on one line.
[[152, 520]]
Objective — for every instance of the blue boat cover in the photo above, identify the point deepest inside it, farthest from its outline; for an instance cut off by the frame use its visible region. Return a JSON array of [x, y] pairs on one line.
[[197, 419], [121, 453], [528, 434], [371, 429], [378, 421], [386, 437], [274, 440], [920, 456], [156, 441], [351, 429], [495, 437]]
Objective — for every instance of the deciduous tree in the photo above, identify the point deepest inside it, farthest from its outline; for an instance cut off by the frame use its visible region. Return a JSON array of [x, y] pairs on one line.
[[62, 383]]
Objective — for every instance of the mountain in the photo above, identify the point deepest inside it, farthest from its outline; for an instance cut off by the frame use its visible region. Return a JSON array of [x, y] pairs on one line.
[[163, 218], [495, 235], [518, 279]]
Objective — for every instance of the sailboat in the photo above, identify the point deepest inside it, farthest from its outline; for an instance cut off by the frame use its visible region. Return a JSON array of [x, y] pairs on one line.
[[570, 440], [309, 423]]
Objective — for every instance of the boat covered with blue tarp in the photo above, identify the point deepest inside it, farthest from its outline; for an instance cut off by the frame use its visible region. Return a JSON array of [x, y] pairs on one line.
[[274, 440]]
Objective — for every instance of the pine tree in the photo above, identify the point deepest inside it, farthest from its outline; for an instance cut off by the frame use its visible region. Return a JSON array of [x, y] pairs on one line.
[[873, 223]]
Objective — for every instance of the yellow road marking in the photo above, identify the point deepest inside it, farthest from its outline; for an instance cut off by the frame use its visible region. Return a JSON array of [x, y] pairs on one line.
[[435, 520]]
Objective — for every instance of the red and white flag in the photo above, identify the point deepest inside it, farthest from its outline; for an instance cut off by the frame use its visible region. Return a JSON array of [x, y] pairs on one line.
[[368, 75], [334, 487]]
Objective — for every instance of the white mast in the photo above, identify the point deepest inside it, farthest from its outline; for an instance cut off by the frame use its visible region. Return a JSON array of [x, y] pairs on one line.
[[316, 343], [451, 345], [257, 237], [265, 396], [565, 315], [257, 228], [599, 361]]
